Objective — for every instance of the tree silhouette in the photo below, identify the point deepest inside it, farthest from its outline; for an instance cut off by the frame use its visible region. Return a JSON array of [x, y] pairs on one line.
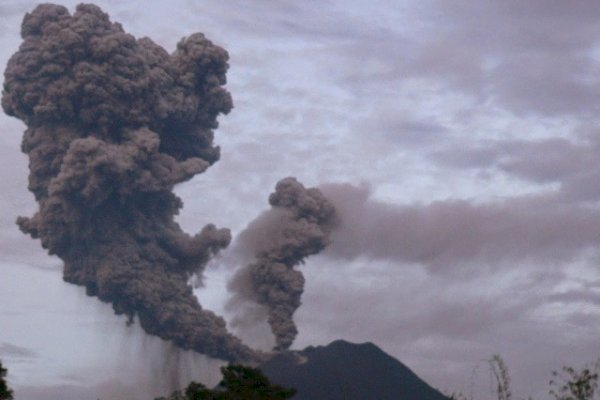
[[239, 383], [500, 372], [574, 384], [5, 392]]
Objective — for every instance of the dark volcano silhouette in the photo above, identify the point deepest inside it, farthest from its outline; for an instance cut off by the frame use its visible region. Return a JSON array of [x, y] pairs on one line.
[[347, 371]]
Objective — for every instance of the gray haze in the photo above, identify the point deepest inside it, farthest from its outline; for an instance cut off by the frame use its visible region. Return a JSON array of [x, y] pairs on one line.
[[453, 235]]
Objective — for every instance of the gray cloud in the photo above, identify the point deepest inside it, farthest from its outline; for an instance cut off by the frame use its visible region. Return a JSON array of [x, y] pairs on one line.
[[8, 350], [527, 58], [449, 235], [570, 163], [589, 297]]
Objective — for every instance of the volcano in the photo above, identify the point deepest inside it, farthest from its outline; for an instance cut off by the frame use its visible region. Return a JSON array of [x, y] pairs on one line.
[[347, 371]]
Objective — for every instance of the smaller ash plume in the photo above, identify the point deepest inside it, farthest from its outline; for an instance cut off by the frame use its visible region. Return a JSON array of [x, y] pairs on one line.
[[297, 226], [113, 124]]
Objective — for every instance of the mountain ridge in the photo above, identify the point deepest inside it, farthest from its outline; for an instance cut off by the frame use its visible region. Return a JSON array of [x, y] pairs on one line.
[[343, 370]]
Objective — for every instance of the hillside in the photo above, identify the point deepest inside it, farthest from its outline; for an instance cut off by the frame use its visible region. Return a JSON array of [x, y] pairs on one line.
[[347, 371]]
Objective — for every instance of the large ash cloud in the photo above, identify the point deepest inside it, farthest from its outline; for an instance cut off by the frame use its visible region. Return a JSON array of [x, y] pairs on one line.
[[113, 123], [297, 226]]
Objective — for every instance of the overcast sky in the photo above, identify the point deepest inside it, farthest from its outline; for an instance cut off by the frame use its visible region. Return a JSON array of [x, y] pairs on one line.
[[467, 134]]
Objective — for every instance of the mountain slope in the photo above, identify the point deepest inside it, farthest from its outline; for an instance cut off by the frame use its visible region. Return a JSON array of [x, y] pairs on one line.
[[347, 371]]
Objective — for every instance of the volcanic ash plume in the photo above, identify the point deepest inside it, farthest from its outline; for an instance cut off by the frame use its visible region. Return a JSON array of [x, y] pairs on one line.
[[113, 123], [449, 235], [297, 226]]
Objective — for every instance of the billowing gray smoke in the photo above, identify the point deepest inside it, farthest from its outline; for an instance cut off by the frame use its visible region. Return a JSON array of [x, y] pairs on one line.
[[113, 123], [297, 226]]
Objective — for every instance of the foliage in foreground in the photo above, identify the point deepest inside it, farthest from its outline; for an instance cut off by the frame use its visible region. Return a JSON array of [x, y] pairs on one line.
[[573, 384], [5, 392], [239, 383], [567, 384], [500, 373]]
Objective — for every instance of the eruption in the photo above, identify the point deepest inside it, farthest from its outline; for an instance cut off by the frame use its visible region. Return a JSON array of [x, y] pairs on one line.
[[297, 226], [113, 123]]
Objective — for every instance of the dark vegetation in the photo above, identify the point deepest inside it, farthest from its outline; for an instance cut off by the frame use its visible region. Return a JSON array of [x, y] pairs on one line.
[[239, 383], [5, 392], [569, 383], [575, 384]]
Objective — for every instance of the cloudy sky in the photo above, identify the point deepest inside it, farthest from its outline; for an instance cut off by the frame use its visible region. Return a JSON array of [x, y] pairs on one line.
[[463, 142]]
